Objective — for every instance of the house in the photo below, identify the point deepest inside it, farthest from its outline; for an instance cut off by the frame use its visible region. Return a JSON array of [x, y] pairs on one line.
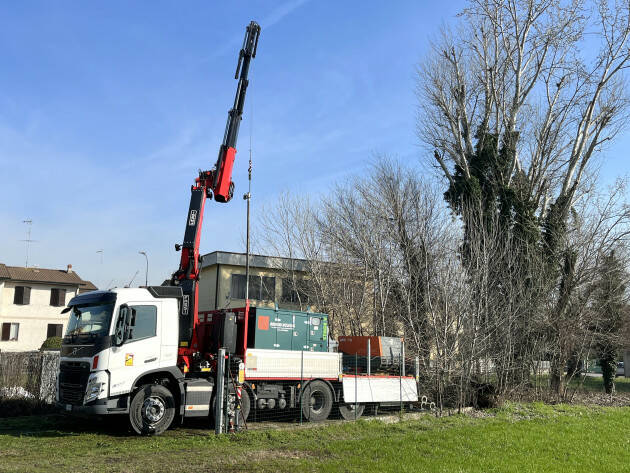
[[273, 280], [31, 301]]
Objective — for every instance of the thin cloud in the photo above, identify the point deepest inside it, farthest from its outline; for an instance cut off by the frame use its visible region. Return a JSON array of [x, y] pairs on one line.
[[273, 18], [279, 13]]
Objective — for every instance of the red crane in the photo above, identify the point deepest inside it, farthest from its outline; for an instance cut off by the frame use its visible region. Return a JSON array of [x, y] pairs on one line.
[[217, 181]]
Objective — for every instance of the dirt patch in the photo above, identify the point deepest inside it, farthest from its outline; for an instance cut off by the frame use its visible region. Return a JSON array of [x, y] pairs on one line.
[[602, 399], [262, 455]]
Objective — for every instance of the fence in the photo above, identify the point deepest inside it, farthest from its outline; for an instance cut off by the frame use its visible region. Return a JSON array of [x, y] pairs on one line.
[[31, 375], [281, 386], [303, 386]]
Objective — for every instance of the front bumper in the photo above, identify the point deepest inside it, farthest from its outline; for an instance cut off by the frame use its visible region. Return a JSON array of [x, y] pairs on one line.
[[101, 407]]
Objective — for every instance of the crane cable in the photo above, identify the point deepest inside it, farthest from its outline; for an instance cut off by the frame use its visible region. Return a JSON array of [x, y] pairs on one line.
[[248, 196]]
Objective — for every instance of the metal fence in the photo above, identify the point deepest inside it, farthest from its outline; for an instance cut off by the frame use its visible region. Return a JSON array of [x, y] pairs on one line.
[[321, 386], [318, 386], [30, 375]]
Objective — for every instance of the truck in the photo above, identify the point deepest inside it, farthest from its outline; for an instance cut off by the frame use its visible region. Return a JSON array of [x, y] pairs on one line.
[[149, 355]]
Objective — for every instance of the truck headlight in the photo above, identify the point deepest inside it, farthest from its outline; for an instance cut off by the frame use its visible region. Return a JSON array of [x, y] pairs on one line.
[[96, 387]]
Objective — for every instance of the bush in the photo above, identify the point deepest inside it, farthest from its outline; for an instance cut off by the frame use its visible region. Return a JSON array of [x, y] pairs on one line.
[[473, 393], [52, 343], [21, 406]]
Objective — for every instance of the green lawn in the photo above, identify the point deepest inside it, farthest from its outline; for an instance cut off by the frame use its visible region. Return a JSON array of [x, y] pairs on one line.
[[516, 438], [596, 384]]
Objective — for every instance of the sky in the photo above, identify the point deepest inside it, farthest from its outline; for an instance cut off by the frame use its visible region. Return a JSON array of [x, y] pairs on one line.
[[108, 110]]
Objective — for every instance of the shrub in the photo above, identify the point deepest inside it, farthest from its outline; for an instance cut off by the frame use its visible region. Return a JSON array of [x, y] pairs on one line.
[[52, 343], [21, 406]]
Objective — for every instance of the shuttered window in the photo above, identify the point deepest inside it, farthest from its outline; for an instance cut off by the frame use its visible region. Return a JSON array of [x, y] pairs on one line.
[[10, 331], [57, 297], [54, 330], [22, 295]]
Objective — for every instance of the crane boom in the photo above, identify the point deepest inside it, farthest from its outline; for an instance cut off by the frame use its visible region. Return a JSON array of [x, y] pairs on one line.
[[217, 181], [222, 185]]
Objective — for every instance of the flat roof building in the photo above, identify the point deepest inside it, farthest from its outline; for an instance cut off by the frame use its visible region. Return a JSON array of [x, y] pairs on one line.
[[273, 281]]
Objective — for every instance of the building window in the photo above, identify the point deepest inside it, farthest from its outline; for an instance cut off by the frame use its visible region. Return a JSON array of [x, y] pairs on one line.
[[22, 295], [294, 290], [10, 332], [237, 291], [261, 288], [144, 322], [268, 289], [57, 297], [54, 330]]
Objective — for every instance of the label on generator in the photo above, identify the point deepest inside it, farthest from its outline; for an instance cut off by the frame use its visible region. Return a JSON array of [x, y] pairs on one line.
[[282, 325]]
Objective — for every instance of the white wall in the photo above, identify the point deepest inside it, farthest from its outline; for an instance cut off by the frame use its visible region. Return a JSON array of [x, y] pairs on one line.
[[34, 317]]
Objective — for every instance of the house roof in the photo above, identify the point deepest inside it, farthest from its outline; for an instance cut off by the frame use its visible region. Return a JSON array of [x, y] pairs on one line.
[[42, 275], [87, 286], [255, 261]]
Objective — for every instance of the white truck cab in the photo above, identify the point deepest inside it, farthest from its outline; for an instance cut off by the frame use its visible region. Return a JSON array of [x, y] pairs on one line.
[[113, 340]]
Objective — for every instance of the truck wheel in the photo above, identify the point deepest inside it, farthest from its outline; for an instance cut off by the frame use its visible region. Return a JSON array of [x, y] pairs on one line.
[[245, 404], [348, 411], [317, 401], [152, 410]]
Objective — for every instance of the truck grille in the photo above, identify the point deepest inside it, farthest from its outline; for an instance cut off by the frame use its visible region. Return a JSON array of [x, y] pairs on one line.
[[73, 377]]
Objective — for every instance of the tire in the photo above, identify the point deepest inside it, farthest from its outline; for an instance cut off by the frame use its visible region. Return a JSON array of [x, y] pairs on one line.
[[347, 411], [152, 410], [246, 405], [317, 401]]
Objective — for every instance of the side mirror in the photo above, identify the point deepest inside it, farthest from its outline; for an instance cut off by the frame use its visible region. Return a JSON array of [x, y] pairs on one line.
[[124, 325]]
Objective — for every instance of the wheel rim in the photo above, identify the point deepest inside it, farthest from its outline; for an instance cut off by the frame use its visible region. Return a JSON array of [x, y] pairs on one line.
[[153, 409], [317, 401]]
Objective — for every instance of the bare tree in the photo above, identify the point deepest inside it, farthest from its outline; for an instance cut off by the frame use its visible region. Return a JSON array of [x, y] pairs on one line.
[[513, 114]]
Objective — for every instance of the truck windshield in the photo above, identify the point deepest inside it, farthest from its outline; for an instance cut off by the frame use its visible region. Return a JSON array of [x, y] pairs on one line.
[[90, 320]]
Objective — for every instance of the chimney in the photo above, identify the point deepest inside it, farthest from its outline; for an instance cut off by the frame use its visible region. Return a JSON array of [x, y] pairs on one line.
[[69, 270]]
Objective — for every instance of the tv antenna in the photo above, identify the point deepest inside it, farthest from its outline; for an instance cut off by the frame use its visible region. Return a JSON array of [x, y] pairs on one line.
[[134, 277], [28, 240]]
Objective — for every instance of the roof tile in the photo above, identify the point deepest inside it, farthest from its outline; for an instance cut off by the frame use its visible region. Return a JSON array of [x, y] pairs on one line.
[[55, 276]]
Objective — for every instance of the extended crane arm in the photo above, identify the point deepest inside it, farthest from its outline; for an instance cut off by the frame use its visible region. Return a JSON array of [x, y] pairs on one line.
[[222, 185], [217, 181]]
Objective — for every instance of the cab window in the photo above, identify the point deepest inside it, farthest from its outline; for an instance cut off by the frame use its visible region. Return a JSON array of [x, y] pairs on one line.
[[144, 323]]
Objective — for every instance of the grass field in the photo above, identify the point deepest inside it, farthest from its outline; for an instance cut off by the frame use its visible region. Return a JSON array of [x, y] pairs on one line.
[[595, 384], [515, 438]]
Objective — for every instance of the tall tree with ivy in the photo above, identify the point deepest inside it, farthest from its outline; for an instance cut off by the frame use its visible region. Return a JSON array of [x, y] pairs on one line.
[[513, 114], [610, 303]]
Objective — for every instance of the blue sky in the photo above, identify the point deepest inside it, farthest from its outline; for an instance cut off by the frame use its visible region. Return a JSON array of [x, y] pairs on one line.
[[107, 110]]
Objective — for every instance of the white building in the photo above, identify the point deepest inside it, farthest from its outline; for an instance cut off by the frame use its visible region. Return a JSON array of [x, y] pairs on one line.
[[31, 301]]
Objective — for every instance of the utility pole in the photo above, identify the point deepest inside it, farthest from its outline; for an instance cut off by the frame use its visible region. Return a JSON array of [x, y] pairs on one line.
[[146, 274], [28, 240]]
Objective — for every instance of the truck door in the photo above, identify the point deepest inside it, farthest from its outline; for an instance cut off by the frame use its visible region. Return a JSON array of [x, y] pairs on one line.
[[141, 352]]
